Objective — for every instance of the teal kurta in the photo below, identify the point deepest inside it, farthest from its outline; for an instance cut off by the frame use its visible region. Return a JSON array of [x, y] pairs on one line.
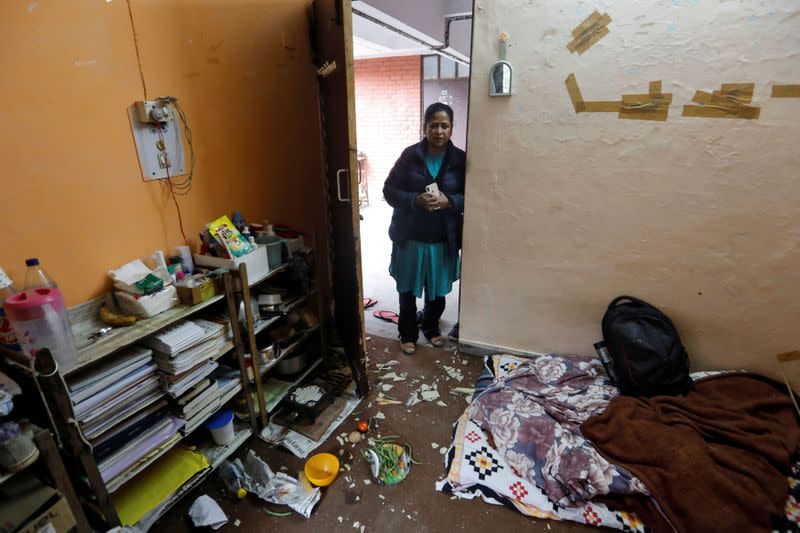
[[417, 265]]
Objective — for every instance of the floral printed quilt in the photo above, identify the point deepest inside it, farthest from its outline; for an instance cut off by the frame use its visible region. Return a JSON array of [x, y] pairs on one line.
[[533, 416]]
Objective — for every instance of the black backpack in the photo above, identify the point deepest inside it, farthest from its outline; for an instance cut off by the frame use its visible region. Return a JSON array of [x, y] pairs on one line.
[[645, 353]]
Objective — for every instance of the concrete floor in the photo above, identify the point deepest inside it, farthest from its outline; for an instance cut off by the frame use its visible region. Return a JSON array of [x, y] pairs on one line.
[[376, 253], [412, 505]]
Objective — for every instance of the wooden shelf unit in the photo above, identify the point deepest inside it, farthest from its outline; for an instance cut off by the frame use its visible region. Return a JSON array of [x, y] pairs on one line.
[[86, 322]]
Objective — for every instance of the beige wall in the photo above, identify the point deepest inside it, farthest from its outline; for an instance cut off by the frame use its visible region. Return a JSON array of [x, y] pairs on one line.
[[72, 190], [700, 216]]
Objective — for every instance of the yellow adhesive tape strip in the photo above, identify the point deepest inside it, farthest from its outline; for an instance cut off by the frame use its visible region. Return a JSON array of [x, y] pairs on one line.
[[584, 45], [645, 107], [655, 88], [589, 32], [729, 99], [702, 98], [587, 23], [602, 107], [575, 94], [742, 90], [746, 112], [786, 91]]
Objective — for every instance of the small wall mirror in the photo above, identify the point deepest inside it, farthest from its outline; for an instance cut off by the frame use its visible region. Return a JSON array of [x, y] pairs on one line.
[[500, 79]]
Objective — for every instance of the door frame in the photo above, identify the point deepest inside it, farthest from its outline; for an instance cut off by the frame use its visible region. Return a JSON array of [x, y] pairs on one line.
[[332, 40]]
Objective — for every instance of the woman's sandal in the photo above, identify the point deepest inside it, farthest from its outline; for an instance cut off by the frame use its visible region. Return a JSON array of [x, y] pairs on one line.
[[369, 302], [388, 316]]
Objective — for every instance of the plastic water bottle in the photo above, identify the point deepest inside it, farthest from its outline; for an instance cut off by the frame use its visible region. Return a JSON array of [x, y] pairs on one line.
[[234, 479], [35, 276], [7, 337]]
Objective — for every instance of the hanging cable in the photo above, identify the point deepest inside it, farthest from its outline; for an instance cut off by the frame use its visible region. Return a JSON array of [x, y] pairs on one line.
[[136, 47], [183, 186], [171, 186]]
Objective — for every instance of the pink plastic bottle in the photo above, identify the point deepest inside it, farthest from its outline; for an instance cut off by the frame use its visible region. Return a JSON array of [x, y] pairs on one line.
[[40, 320]]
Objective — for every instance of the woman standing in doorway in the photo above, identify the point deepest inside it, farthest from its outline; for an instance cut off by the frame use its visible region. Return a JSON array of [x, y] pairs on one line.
[[426, 190]]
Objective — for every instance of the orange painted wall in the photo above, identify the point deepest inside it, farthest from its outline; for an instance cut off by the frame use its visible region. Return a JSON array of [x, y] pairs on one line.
[[71, 185]]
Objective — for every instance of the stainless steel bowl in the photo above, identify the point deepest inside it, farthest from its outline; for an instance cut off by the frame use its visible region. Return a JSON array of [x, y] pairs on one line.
[[292, 364]]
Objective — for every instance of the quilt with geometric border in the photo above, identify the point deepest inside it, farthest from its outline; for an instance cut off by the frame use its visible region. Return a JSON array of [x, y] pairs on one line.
[[476, 469]]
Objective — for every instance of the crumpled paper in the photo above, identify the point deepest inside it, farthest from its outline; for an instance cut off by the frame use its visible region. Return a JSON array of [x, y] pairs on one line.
[[206, 512], [279, 488]]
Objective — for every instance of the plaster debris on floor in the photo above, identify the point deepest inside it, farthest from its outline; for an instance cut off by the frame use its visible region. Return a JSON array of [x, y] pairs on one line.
[[356, 496]]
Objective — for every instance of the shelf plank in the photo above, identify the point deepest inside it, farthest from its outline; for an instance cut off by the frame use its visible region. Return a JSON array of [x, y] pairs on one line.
[[264, 324], [119, 338], [288, 350], [291, 305]]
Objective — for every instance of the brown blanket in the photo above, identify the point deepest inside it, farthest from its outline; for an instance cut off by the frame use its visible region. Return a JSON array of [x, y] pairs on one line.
[[714, 460]]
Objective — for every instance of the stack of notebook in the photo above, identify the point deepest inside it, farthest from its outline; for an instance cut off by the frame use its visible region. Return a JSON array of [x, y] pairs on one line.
[[107, 394], [184, 353], [120, 408], [200, 402]]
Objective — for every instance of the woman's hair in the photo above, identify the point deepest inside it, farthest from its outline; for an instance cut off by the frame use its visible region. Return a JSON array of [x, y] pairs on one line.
[[436, 107]]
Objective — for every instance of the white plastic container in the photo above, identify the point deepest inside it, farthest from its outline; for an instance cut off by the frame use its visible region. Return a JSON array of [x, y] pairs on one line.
[[256, 261], [40, 321], [221, 427]]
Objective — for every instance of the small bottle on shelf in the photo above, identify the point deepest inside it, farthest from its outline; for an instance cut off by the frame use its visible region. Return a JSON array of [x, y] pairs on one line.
[[35, 276]]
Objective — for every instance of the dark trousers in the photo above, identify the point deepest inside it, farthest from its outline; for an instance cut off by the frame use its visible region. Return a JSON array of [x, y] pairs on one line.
[[431, 314]]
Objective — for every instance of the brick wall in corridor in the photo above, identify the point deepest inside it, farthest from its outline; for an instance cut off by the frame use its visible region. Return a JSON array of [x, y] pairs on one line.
[[388, 119]]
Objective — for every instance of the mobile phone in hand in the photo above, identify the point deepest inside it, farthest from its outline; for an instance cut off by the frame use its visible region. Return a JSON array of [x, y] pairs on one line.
[[433, 188]]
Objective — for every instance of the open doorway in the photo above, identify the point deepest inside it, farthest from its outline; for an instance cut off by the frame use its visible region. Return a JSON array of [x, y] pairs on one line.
[[408, 55]]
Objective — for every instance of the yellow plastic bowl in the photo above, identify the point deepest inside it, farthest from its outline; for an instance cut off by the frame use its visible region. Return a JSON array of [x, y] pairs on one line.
[[322, 469]]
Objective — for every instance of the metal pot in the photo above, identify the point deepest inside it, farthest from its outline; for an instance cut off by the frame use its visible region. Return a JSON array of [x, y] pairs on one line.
[[269, 298], [269, 352], [292, 364]]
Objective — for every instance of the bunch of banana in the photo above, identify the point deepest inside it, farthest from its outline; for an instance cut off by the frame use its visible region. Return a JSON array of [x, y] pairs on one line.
[[113, 319]]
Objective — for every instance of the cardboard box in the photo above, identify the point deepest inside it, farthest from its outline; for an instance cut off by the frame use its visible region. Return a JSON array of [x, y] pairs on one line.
[[256, 261], [57, 518], [29, 506], [200, 293]]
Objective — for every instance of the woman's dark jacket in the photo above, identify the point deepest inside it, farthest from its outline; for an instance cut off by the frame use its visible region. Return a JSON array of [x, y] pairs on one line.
[[407, 179]]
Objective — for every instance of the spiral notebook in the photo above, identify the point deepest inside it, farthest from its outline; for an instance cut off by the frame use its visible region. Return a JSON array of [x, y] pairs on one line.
[[90, 381], [120, 386], [92, 431]]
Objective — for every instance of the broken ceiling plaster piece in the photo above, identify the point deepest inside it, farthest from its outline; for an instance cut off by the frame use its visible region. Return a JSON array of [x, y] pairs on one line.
[[454, 373], [434, 445], [442, 450], [440, 403], [379, 416]]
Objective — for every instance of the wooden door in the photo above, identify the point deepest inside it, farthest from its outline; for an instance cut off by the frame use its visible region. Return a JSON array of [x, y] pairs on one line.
[[333, 35]]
